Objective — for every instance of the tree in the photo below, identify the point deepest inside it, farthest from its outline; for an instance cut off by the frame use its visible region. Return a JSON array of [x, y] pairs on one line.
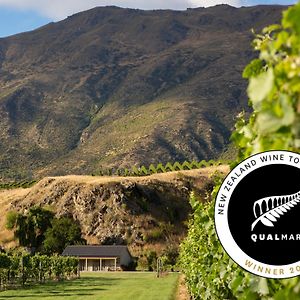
[[151, 260], [64, 232], [29, 228]]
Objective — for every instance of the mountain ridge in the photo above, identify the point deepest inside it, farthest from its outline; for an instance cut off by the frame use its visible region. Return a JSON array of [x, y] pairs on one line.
[[114, 87]]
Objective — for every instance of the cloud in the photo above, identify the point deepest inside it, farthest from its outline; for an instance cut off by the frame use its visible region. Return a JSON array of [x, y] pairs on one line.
[[206, 3], [256, 2], [60, 9]]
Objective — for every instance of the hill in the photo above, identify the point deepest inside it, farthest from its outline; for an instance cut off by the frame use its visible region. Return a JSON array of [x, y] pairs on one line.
[[143, 212], [123, 87]]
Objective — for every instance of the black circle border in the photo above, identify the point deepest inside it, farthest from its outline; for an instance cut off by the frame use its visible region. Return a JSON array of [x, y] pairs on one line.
[[288, 151]]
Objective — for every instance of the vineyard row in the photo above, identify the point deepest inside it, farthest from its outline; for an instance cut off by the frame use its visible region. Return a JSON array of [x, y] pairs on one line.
[[134, 171], [159, 168], [18, 270]]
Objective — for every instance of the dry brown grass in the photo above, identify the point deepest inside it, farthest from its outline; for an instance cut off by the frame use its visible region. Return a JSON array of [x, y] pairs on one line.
[[166, 177], [6, 198], [47, 187], [182, 291]]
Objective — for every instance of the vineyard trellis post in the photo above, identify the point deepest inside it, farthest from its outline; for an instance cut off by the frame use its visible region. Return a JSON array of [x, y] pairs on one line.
[[159, 267]]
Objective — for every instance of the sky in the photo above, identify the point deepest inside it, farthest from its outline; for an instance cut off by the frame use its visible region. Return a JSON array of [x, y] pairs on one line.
[[23, 15]]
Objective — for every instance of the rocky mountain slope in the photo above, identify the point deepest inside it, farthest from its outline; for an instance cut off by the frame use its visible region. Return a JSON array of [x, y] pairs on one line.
[[124, 87], [143, 212]]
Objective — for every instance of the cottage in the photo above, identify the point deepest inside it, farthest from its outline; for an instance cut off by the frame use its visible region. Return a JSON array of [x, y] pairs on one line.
[[100, 257]]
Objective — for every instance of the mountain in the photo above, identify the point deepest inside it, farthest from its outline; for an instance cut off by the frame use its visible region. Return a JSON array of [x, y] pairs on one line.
[[123, 87]]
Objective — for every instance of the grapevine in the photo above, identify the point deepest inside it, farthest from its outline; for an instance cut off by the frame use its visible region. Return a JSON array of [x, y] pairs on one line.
[[274, 94]]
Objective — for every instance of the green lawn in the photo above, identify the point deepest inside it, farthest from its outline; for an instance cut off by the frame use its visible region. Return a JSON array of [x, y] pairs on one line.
[[103, 286]]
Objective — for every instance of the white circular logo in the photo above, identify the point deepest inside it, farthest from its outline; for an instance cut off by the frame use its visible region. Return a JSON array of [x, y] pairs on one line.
[[257, 214]]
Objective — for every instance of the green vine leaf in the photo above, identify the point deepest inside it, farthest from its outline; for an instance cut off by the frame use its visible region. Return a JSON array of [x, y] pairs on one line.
[[260, 86]]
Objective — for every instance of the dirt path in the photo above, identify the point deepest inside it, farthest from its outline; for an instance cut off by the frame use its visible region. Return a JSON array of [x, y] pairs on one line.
[[182, 291]]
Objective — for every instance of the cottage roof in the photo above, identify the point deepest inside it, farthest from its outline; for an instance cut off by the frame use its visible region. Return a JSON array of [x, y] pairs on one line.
[[96, 251]]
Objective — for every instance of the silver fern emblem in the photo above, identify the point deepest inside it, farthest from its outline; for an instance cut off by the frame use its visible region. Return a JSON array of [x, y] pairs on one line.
[[271, 208]]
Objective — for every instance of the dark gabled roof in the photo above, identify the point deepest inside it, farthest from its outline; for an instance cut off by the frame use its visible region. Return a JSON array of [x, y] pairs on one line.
[[96, 251]]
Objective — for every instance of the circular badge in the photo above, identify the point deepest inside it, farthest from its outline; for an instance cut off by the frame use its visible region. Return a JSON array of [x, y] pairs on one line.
[[257, 214]]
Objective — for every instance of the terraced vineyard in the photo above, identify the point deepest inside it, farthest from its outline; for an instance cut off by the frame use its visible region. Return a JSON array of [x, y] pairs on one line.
[[160, 168], [15, 185]]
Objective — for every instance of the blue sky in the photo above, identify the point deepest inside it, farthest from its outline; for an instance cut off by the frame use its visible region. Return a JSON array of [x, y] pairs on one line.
[[14, 21], [24, 15]]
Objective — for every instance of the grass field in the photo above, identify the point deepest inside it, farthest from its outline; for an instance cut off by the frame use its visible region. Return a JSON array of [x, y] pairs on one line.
[[103, 286]]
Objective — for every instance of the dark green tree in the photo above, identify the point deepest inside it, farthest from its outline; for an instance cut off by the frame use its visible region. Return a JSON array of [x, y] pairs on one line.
[[64, 232], [151, 260], [29, 228]]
